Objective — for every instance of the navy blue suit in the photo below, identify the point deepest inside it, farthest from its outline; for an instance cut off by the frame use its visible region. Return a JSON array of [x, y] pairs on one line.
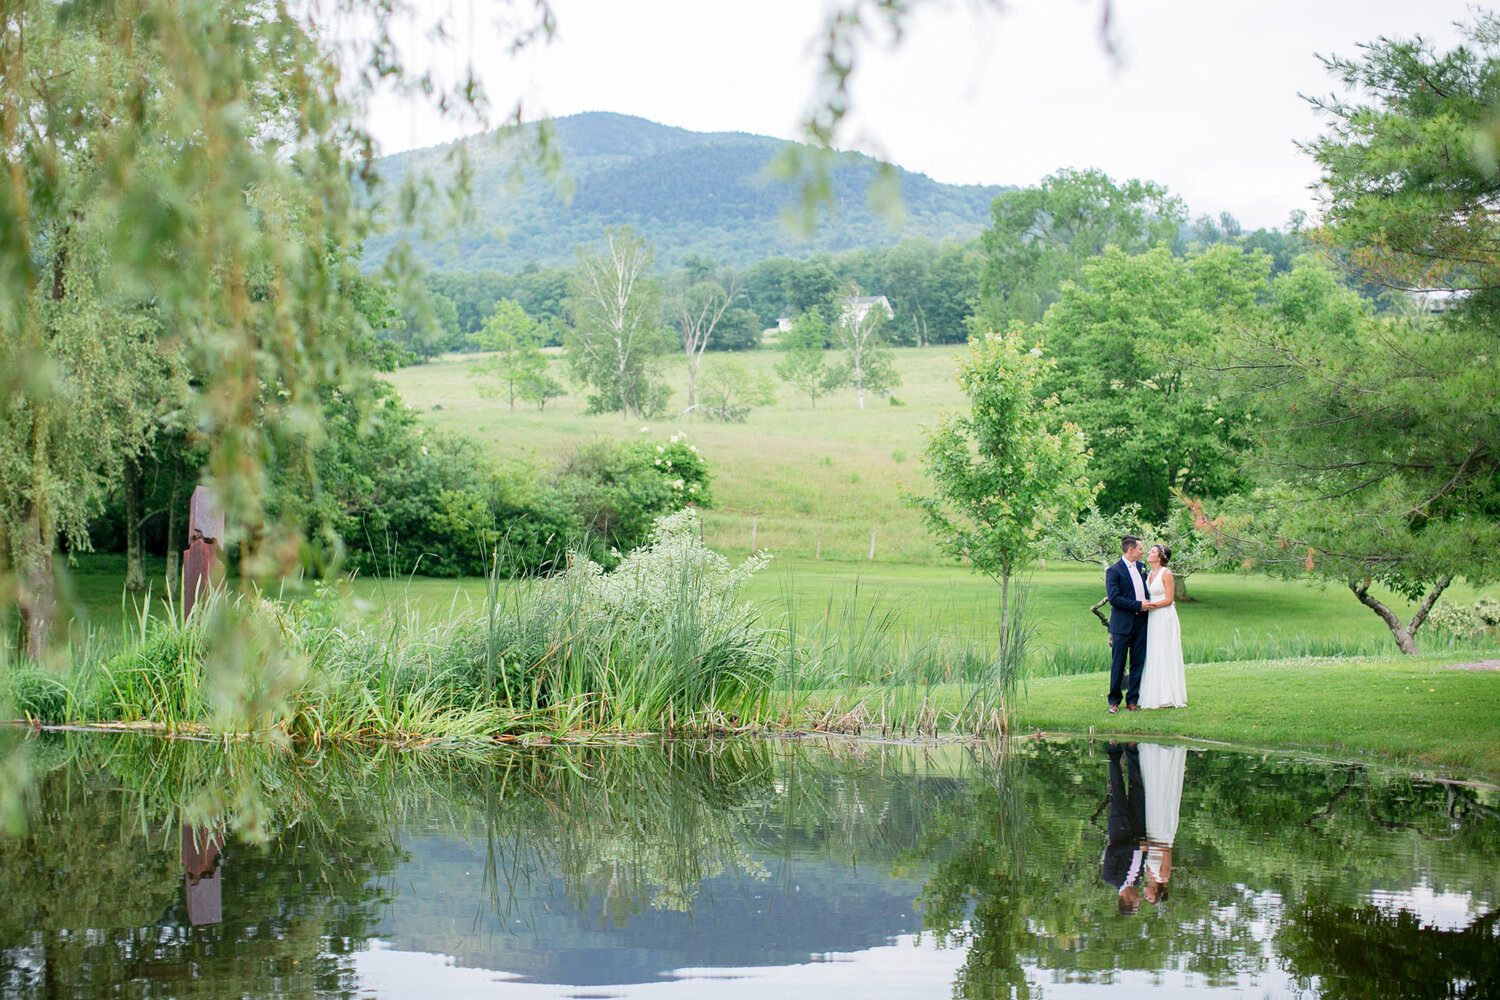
[[1127, 817], [1127, 629]]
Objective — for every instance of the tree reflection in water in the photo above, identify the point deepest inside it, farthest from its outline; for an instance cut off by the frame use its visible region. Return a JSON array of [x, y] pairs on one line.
[[697, 854]]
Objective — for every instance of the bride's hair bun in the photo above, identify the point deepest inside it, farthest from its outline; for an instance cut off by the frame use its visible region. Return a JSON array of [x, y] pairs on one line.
[[1164, 553]]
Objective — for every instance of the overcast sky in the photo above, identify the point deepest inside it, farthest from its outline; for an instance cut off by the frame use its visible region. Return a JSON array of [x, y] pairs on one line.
[[1202, 96]]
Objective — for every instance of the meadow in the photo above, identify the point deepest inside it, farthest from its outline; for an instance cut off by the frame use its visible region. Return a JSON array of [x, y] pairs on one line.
[[791, 475]]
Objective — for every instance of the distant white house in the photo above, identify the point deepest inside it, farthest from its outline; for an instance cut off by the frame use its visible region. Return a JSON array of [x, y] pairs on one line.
[[1439, 300], [857, 307]]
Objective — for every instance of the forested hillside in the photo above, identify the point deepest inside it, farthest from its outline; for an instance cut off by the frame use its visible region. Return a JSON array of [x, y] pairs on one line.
[[686, 192]]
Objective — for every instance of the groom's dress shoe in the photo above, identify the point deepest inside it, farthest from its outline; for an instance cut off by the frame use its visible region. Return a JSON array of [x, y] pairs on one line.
[[1113, 709], [1133, 708]]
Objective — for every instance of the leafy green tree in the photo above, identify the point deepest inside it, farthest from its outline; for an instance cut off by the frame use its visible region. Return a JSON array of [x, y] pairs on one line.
[[1377, 436], [1384, 433], [1041, 237], [1001, 476], [804, 361], [764, 285], [617, 344], [812, 286], [540, 388], [1129, 337], [1409, 163], [738, 330], [953, 283], [519, 366], [730, 391], [428, 325]]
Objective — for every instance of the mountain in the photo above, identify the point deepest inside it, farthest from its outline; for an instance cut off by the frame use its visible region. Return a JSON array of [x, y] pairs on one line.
[[687, 192]]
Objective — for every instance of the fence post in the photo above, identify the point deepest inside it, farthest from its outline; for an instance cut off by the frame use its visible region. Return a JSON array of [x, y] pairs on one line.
[[754, 527], [200, 562], [819, 553], [872, 545]]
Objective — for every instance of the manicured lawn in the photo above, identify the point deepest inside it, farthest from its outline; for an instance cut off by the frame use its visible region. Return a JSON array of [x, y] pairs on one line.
[[1252, 612], [1413, 709]]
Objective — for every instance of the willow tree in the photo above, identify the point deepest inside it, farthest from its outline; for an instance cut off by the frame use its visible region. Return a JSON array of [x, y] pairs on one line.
[[180, 193]]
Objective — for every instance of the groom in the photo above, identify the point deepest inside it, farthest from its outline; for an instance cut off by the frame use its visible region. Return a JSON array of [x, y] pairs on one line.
[[1124, 850], [1125, 587]]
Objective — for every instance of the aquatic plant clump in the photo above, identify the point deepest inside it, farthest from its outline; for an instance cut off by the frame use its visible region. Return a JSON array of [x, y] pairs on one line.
[[656, 643]]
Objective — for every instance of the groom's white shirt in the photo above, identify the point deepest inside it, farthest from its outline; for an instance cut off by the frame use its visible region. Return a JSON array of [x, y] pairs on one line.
[[1135, 869], [1135, 580]]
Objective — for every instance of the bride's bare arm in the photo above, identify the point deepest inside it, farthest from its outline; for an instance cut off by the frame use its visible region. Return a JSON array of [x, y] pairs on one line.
[[1168, 581]]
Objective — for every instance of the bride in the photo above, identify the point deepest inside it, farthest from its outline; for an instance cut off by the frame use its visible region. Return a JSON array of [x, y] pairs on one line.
[[1164, 680]]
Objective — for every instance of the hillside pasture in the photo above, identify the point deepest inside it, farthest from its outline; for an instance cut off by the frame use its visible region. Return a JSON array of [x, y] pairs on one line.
[[791, 475]]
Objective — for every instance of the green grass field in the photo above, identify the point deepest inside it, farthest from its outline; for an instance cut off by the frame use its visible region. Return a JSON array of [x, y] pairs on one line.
[[1253, 614]]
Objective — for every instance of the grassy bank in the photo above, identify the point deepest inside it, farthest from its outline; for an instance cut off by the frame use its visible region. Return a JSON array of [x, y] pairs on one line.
[[678, 640], [1416, 710], [1411, 708]]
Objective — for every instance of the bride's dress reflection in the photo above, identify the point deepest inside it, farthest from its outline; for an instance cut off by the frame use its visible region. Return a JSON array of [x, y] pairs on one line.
[[1162, 770]]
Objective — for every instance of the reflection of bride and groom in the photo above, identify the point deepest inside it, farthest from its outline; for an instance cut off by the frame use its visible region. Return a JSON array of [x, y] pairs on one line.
[[1145, 795], [1143, 626]]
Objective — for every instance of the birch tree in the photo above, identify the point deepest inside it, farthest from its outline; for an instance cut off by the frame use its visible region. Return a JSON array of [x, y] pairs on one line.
[[617, 343], [697, 307], [860, 334]]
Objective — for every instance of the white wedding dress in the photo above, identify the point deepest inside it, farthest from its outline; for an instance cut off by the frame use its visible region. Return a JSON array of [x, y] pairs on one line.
[[1161, 772], [1164, 677]]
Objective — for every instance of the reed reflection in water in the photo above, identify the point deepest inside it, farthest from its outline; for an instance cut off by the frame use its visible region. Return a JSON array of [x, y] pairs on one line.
[[747, 868]]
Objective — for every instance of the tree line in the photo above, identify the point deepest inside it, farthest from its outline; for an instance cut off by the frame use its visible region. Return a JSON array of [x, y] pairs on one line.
[[1334, 418]]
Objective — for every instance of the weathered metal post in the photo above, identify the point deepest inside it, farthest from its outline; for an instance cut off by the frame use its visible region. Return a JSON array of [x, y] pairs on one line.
[[200, 562]]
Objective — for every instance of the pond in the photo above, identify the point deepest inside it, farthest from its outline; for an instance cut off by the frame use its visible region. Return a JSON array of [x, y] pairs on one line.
[[744, 869]]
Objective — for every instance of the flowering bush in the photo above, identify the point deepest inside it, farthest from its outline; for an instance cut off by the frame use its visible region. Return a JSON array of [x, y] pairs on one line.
[[617, 489], [652, 582], [1465, 621]]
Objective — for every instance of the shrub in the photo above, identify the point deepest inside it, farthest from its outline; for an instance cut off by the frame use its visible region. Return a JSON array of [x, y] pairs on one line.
[[617, 489], [659, 640], [1465, 621]]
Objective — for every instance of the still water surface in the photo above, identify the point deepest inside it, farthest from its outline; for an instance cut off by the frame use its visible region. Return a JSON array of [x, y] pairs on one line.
[[744, 870]]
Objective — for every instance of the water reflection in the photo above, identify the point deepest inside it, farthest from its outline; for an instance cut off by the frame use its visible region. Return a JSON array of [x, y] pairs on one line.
[[202, 886], [750, 869]]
